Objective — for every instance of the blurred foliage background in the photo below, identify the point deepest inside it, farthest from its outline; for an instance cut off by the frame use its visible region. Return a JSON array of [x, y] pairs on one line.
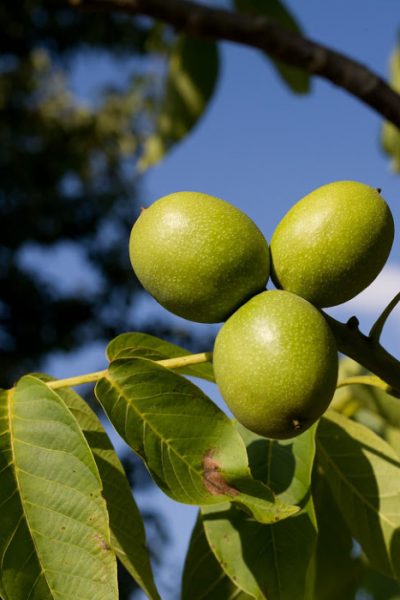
[[63, 180], [67, 178]]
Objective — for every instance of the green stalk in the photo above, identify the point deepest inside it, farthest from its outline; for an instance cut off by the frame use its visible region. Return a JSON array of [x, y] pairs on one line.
[[169, 363]]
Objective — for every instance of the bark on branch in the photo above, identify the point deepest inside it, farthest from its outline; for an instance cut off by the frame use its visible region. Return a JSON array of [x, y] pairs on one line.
[[268, 36], [366, 351]]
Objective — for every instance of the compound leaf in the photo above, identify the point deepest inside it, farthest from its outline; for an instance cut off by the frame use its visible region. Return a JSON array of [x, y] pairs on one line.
[[363, 472], [128, 539], [203, 577], [189, 445], [54, 533], [270, 561], [338, 570]]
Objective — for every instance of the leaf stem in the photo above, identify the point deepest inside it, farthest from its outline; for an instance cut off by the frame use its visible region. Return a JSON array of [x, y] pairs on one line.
[[184, 361], [77, 380], [169, 363]]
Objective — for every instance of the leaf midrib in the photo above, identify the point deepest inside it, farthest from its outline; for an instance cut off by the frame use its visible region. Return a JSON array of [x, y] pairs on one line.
[[354, 489], [367, 503], [155, 431], [10, 400], [276, 564]]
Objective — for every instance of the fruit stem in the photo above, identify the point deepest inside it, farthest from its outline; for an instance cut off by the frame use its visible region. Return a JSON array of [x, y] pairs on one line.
[[77, 380], [296, 424], [169, 363]]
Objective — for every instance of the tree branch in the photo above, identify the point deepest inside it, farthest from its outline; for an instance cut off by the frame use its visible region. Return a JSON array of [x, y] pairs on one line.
[[366, 351], [267, 35]]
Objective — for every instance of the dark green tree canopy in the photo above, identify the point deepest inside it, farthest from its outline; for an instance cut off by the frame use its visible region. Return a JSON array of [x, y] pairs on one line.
[[66, 176]]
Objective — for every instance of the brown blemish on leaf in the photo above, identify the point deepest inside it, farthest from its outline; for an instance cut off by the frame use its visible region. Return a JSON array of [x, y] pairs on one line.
[[213, 480], [102, 542]]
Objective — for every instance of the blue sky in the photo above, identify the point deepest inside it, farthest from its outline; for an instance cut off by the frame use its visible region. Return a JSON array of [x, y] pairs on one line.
[[262, 148]]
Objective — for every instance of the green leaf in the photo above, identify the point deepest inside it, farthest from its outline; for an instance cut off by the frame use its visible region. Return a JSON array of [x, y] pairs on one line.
[[390, 137], [390, 142], [142, 345], [338, 572], [191, 79], [388, 407], [128, 539], [392, 436], [270, 561], [363, 472], [189, 445], [203, 577], [54, 534], [370, 406], [296, 79], [379, 587]]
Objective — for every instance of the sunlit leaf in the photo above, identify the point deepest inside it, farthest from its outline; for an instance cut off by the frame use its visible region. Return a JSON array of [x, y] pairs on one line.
[[369, 405], [270, 561], [392, 436], [203, 577], [363, 472], [297, 79], [189, 445], [128, 538], [54, 534], [190, 82], [143, 345]]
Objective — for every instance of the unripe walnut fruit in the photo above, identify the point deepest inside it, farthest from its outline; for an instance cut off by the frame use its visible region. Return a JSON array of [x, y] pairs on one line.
[[332, 243], [198, 256], [276, 363]]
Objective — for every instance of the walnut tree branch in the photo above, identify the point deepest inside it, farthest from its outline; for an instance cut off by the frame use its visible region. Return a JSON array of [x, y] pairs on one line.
[[267, 35], [366, 351]]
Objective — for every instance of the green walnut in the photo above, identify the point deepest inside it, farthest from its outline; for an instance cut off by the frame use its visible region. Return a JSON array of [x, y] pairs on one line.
[[198, 256], [333, 243], [276, 364]]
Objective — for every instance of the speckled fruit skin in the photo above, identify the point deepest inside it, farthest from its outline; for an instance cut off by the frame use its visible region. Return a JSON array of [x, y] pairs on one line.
[[333, 243], [198, 256], [276, 364]]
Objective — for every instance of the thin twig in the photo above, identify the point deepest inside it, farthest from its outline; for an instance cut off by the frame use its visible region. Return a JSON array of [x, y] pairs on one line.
[[377, 327]]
